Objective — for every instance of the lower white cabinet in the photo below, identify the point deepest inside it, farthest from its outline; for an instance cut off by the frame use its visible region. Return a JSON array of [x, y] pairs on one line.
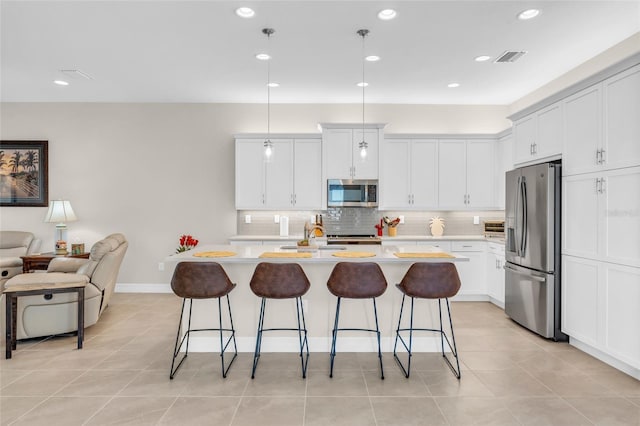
[[600, 307], [472, 273], [495, 273]]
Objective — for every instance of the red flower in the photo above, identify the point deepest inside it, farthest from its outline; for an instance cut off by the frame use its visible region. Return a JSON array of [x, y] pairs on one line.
[[187, 242]]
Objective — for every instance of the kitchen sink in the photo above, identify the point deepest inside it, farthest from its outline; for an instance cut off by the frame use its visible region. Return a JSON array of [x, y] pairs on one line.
[[331, 247]]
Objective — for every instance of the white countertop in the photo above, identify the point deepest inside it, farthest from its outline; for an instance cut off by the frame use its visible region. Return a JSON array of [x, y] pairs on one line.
[[384, 238], [251, 254]]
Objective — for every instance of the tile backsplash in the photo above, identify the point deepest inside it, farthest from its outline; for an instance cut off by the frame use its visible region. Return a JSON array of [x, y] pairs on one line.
[[363, 220]]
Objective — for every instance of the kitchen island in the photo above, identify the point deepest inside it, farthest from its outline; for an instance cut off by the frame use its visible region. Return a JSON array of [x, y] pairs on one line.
[[319, 303]]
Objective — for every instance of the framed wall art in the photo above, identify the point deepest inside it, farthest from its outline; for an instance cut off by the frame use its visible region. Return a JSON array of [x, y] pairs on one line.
[[24, 174]]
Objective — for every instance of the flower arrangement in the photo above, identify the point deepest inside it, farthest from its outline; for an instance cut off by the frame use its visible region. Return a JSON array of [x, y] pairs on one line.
[[391, 223], [187, 242]]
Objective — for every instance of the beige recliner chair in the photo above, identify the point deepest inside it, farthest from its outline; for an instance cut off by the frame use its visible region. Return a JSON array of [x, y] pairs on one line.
[[57, 313], [14, 244]]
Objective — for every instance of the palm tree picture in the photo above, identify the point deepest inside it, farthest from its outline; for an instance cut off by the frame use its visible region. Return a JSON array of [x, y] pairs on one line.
[[23, 173]]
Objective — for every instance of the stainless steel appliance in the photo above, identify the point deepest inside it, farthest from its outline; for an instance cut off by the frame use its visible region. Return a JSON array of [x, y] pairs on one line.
[[532, 251], [352, 193], [353, 239]]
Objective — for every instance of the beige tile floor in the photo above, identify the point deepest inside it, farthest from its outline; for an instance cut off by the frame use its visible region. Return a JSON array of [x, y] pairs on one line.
[[509, 377]]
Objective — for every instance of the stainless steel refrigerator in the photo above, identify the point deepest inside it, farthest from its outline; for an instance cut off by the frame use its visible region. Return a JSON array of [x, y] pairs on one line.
[[532, 227]]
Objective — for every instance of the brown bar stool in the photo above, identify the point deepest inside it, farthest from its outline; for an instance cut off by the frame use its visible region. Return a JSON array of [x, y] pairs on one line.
[[428, 281], [281, 281], [202, 280], [356, 280]]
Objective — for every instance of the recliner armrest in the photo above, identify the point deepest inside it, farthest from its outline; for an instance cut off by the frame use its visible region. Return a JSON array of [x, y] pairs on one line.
[[66, 264]]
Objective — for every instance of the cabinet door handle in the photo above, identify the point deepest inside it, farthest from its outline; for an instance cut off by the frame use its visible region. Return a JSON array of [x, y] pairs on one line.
[[535, 148], [602, 188], [597, 185], [598, 157], [602, 158], [531, 148], [468, 198], [262, 198]]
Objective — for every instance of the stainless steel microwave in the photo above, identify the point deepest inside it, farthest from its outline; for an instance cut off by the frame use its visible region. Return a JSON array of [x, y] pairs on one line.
[[352, 193]]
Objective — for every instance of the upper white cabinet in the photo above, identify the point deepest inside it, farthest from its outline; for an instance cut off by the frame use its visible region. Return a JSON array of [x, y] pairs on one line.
[[504, 163], [341, 152], [583, 131], [602, 129], [538, 135], [290, 180], [622, 119], [466, 174], [409, 174]]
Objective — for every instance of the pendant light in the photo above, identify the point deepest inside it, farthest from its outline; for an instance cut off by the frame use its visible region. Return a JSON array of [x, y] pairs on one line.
[[268, 145], [363, 145]]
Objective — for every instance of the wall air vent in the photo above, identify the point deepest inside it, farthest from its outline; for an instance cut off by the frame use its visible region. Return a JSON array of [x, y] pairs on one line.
[[509, 56], [76, 74]]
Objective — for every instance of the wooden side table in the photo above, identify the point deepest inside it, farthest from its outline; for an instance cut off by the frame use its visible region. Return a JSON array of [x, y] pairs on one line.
[[11, 298], [41, 261]]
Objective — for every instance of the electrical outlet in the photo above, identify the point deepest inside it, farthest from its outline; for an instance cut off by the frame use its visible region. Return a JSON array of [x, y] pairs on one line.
[[276, 218], [476, 220], [401, 217], [247, 218], [161, 266]]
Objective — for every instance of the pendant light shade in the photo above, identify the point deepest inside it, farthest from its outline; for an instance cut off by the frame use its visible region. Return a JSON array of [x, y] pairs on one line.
[[363, 145], [268, 145]]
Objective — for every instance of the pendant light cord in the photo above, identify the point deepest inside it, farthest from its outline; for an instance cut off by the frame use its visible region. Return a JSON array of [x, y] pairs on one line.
[[363, 33]]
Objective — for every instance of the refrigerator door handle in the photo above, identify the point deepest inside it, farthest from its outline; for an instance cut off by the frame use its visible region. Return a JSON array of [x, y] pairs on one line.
[[525, 221], [517, 228], [528, 274]]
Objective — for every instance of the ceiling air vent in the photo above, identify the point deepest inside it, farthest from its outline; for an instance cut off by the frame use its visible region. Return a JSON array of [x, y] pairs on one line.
[[76, 74], [510, 56]]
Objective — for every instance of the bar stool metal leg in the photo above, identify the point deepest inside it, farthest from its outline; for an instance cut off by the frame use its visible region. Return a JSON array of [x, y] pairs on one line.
[[256, 354], [443, 337], [407, 370], [178, 345], [304, 342], [375, 311], [223, 346], [335, 335]]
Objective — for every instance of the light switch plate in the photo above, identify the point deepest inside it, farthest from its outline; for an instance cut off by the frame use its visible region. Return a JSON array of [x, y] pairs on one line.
[[401, 218], [476, 220], [247, 218], [276, 218]]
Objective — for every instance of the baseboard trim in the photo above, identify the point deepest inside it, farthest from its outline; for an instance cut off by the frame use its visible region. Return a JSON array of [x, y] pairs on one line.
[[606, 358]]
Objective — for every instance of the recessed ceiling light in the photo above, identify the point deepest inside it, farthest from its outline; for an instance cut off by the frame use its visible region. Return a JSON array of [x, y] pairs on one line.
[[528, 14], [387, 14], [363, 84], [272, 84], [453, 85], [372, 58], [245, 12], [61, 82], [263, 56], [482, 58]]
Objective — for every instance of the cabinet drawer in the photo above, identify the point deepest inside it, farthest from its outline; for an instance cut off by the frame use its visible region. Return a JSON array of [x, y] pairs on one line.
[[495, 248], [442, 245], [467, 245]]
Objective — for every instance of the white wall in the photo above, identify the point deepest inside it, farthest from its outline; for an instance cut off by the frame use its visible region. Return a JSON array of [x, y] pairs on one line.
[[156, 171]]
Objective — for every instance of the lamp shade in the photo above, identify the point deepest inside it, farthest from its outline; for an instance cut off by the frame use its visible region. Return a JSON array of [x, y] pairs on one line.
[[60, 211]]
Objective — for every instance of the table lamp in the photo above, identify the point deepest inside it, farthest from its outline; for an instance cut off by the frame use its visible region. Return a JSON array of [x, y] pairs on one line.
[[60, 212]]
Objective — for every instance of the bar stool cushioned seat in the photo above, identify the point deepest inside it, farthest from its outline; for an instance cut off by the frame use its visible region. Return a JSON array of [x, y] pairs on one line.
[[202, 280], [281, 281], [356, 280], [428, 281]]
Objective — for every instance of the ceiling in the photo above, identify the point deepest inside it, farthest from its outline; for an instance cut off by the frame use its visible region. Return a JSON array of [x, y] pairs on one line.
[[200, 51]]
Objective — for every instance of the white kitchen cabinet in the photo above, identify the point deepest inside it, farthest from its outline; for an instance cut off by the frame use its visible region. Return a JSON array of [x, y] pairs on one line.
[[539, 135], [504, 163], [600, 216], [249, 174], [307, 174], [580, 299], [621, 95], [495, 273], [472, 273], [583, 131], [409, 174], [466, 174], [290, 180], [600, 307], [341, 153], [602, 129]]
